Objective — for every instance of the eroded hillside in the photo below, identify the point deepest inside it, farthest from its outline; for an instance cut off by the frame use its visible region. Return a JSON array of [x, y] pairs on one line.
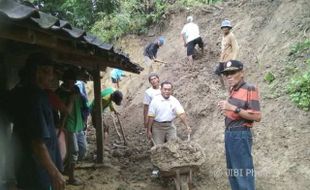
[[265, 29]]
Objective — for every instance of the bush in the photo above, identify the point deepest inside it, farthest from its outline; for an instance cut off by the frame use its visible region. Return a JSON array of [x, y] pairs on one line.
[[110, 19], [299, 90], [299, 85], [132, 16], [269, 77], [300, 47]]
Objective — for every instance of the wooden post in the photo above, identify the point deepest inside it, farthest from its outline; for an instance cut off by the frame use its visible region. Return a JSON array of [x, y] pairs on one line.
[[98, 114]]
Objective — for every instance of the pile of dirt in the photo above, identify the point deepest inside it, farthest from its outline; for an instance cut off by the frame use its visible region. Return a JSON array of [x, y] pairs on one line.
[[176, 154]]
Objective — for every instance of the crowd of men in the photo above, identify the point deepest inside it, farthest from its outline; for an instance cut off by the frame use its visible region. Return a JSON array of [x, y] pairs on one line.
[[241, 108], [36, 112]]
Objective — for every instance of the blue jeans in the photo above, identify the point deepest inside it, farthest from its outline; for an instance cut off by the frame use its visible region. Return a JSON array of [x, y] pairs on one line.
[[240, 169], [77, 146], [82, 144]]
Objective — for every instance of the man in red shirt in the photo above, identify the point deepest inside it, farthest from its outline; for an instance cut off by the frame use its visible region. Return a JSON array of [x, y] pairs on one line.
[[241, 109]]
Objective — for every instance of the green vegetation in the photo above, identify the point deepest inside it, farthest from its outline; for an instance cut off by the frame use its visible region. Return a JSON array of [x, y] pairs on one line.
[[269, 77], [299, 85], [299, 90], [134, 16], [300, 47], [111, 19]]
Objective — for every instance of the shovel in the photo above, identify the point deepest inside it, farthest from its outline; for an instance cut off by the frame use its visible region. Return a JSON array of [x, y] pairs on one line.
[[159, 61], [122, 129], [118, 134]]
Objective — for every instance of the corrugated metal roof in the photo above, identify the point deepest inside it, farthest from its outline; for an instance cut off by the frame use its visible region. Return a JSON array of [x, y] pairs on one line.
[[12, 11]]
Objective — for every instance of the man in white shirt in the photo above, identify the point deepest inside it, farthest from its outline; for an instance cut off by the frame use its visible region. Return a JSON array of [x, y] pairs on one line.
[[162, 111], [191, 37], [149, 94]]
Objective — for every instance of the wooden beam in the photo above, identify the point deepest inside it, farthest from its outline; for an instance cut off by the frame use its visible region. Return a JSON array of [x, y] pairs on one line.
[[98, 114], [79, 60]]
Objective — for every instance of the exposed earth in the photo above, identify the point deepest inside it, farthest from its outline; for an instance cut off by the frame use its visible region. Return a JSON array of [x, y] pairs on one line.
[[265, 30]]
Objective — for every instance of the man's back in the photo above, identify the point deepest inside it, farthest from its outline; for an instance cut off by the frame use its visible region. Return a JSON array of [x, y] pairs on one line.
[[191, 31], [117, 73], [151, 50]]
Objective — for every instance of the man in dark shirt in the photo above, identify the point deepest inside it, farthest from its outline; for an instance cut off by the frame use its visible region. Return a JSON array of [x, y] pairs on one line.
[[34, 131], [241, 110], [150, 53]]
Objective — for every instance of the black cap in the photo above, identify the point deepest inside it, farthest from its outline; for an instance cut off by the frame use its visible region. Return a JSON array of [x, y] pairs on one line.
[[232, 65], [117, 97]]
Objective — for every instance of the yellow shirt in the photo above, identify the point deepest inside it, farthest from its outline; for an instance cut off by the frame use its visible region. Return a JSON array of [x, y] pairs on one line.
[[230, 48], [107, 102]]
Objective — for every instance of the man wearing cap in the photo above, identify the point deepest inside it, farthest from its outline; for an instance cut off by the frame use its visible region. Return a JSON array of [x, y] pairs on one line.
[[191, 37], [73, 122], [149, 94], [241, 109], [35, 139], [150, 53], [162, 111], [229, 47]]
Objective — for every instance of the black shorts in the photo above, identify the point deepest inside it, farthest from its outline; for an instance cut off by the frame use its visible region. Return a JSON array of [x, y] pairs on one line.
[[191, 45], [219, 68], [114, 80]]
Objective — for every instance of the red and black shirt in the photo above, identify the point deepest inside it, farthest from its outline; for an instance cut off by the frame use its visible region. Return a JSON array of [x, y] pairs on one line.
[[246, 97]]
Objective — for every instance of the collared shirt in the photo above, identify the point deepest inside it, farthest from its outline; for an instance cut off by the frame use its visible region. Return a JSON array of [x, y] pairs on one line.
[[246, 97], [165, 109], [229, 48], [149, 94], [191, 31]]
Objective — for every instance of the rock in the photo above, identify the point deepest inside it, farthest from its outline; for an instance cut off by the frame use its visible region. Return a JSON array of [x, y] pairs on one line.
[[177, 153]]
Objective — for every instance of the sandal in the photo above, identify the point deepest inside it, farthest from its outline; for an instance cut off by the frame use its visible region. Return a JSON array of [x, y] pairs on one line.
[[75, 182]]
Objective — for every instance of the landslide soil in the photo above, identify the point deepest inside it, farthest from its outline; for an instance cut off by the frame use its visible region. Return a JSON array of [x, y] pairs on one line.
[[265, 29]]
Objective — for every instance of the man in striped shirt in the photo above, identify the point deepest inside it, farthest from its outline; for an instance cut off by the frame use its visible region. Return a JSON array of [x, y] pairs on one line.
[[241, 109]]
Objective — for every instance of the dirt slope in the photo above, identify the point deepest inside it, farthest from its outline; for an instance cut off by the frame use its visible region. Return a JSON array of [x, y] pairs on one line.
[[265, 30]]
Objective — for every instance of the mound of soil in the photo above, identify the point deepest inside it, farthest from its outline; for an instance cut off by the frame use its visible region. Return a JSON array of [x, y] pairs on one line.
[[177, 154]]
